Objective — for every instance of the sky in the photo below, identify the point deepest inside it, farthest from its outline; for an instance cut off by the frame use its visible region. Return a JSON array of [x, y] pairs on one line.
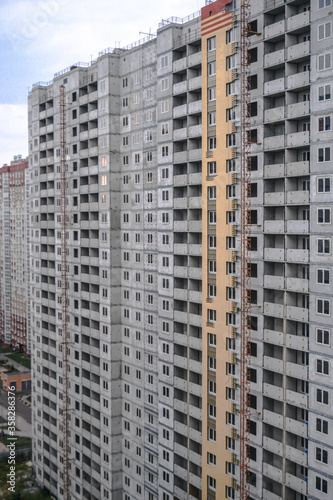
[[41, 37]]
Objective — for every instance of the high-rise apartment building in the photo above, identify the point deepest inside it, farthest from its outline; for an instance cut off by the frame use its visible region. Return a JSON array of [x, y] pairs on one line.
[[154, 241], [14, 255]]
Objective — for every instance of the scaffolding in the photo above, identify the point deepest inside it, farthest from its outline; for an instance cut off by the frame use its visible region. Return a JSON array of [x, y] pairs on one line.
[[245, 250], [64, 295]]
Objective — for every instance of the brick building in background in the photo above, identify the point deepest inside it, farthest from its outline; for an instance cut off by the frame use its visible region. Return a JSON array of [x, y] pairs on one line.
[[14, 255]]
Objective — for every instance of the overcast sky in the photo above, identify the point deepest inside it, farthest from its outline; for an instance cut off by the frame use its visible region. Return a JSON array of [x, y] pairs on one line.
[[40, 37]]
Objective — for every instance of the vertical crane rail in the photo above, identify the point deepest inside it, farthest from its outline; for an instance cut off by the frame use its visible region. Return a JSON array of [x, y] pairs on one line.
[[64, 293], [245, 249]]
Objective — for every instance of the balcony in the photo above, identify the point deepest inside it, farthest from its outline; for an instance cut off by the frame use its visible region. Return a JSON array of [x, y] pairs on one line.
[[180, 226], [276, 282], [295, 255], [297, 371], [296, 427], [274, 142], [296, 483], [297, 313], [298, 51], [275, 29], [273, 392], [274, 86], [273, 337], [276, 198], [298, 80], [194, 107], [274, 58], [298, 168], [297, 342], [180, 157], [298, 139], [298, 109], [298, 197], [298, 21], [300, 457], [274, 226], [272, 309], [194, 59], [274, 446], [275, 365], [180, 88], [195, 202], [194, 83], [180, 249], [180, 111], [298, 226], [180, 180], [274, 171], [274, 114], [270, 416], [274, 254], [195, 155], [297, 285], [195, 131], [180, 134], [179, 65], [180, 272]]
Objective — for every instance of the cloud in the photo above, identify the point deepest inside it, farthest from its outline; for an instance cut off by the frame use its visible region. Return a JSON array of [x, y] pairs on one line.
[[13, 132]]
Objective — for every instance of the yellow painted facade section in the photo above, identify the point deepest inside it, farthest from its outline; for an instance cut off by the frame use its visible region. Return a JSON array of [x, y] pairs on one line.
[[220, 303]]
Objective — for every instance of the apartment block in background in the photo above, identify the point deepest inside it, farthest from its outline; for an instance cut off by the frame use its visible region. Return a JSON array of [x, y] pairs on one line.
[[14, 255]]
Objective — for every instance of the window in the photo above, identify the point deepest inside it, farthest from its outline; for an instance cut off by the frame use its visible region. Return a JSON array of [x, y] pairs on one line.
[[324, 61], [324, 215], [324, 246], [212, 411], [323, 306], [165, 150], [164, 61], [324, 123], [324, 31], [104, 180], [212, 94], [212, 242], [164, 128], [324, 155], [212, 168], [324, 92], [212, 363], [324, 3], [164, 84], [231, 62], [212, 266], [212, 68], [211, 143], [211, 316], [212, 193], [253, 55], [322, 366], [323, 276], [212, 118], [324, 185], [322, 426], [211, 43], [323, 336], [322, 396], [321, 484], [164, 106], [321, 455], [212, 217]]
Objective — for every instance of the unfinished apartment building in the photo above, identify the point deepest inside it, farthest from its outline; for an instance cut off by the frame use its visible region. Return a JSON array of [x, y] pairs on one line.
[[154, 239], [14, 255]]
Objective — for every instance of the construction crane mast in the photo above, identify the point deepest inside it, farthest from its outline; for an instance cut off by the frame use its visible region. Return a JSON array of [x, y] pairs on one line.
[[245, 248], [64, 295]]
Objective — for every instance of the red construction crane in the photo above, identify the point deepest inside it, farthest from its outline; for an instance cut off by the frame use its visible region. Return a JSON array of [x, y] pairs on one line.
[[245, 249], [64, 295]]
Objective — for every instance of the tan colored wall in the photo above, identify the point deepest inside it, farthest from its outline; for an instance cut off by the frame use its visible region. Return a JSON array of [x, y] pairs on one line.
[[220, 304]]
